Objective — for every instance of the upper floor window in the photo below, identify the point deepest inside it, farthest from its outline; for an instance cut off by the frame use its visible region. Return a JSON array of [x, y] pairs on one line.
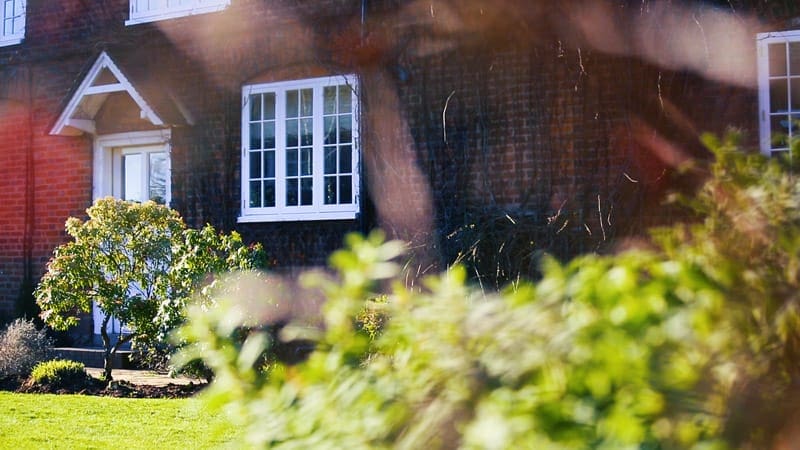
[[151, 10], [12, 22], [779, 90], [300, 153]]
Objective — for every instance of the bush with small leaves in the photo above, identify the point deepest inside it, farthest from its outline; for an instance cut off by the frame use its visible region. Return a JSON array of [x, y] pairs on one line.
[[692, 343], [22, 346], [140, 264], [58, 372]]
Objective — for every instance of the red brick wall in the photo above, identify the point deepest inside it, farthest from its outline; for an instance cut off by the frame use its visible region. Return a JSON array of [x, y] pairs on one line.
[[14, 147]]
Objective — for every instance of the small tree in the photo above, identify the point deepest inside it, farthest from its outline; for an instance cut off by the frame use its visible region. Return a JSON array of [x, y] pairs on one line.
[[138, 263]]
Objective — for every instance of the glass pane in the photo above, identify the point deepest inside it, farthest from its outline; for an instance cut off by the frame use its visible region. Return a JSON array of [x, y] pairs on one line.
[[306, 102], [269, 106], [269, 193], [291, 163], [255, 194], [777, 59], [330, 190], [306, 132], [345, 129], [157, 179], [269, 134], [132, 177], [329, 92], [291, 133], [330, 130], [795, 95], [306, 191], [255, 165], [345, 99], [305, 161], [291, 104], [269, 164], [794, 58], [291, 192], [346, 159], [255, 135], [779, 131], [345, 190], [255, 107], [778, 101], [330, 160]]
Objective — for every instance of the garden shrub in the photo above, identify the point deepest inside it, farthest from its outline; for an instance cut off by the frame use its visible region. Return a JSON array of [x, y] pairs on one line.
[[22, 346], [58, 373], [140, 264], [576, 361], [689, 344]]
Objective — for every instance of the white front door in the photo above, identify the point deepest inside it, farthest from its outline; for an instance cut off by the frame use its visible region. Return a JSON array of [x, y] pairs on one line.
[[138, 173]]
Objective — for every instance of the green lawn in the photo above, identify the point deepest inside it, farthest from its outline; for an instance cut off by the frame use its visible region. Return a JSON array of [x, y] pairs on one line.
[[36, 421]]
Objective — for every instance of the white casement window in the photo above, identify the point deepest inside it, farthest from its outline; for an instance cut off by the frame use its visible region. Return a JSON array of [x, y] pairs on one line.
[[12, 22], [300, 150], [152, 10], [142, 173], [779, 90]]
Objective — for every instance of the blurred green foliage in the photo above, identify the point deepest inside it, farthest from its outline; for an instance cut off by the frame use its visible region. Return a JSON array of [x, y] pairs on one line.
[[673, 346]]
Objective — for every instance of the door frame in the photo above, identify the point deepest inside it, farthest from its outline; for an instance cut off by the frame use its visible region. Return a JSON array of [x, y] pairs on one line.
[[103, 182], [103, 157]]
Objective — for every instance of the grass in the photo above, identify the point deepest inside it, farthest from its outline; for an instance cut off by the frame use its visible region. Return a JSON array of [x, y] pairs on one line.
[[38, 421]]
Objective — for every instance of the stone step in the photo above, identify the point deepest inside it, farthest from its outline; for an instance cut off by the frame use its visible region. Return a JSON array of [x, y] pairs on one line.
[[93, 357]]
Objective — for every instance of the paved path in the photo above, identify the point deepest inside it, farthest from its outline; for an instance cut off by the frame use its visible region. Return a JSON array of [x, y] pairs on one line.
[[143, 377]]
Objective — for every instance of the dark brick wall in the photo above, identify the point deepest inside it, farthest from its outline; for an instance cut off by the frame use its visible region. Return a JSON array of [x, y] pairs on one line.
[[469, 116]]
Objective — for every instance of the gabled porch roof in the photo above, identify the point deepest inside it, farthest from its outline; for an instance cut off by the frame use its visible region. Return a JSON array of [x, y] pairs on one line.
[[104, 79]]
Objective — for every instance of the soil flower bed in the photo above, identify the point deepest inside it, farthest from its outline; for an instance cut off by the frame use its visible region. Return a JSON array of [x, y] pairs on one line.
[[94, 386]]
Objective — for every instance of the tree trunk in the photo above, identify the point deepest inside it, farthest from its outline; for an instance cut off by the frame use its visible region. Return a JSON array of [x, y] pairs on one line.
[[107, 353]]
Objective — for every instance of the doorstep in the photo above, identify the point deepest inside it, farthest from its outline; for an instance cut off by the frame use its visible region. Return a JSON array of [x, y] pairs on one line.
[[93, 356]]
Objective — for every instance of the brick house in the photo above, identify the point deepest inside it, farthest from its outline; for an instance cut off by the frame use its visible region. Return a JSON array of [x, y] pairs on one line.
[[467, 129]]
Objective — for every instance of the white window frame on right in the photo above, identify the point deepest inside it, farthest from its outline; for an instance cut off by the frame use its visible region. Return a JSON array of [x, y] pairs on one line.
[[778, 90], [12, 21], [143, 11], [300, 150]]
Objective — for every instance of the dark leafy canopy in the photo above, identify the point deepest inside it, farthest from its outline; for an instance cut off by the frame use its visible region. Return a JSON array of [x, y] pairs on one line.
[[643, 350], [139, 263]]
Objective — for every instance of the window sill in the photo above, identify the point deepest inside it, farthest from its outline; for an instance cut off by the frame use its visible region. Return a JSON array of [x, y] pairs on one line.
[[173, 14], [10, 40], [298, 217]]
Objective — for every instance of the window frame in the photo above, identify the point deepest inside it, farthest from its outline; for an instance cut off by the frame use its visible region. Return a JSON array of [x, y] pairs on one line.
[[763, 40], [165, 13], [106, 170], [13, 38], [119, 174], [317, 210]]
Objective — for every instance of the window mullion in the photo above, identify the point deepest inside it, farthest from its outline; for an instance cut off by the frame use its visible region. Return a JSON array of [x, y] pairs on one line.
[[355, 151], [144, 177], [280, 149], [318, 151], [244, 173]]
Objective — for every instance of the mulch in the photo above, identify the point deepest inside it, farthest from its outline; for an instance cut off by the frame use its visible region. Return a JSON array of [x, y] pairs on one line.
[[94, 386]]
